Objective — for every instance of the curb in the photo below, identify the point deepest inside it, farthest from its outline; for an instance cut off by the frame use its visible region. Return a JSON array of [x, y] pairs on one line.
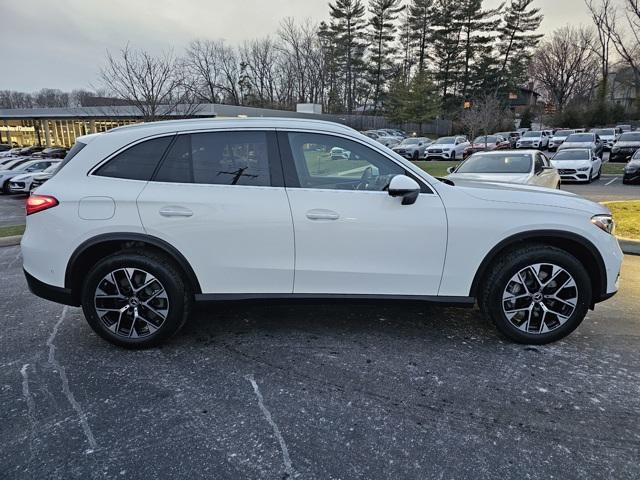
[[629, 247], [10, 241]]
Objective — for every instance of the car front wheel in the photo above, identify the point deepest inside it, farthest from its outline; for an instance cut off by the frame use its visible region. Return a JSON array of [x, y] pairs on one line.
[[537, 294], [135, 299]]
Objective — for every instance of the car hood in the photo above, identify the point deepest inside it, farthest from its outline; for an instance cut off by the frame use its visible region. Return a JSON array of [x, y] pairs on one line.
[[490, 177], [529, 195], [627, 144], [577, 145], [558, 139], [571, 164], [484, 145], [608, 138], [530, 139], [24, 176], [442, 145], [406, 147], [10, 172]]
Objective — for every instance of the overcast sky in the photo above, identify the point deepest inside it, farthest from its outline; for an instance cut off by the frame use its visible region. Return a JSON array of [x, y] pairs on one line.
[[62, 43]]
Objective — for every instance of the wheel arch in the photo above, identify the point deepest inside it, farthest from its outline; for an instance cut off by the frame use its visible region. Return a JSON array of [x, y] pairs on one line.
[[572, 243], [96, 248]]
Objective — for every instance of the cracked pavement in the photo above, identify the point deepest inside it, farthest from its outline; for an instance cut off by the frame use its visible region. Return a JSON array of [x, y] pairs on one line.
[[333, 391]]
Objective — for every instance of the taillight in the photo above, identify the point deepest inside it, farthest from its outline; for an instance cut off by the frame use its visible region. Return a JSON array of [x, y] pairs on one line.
[[38, 203]]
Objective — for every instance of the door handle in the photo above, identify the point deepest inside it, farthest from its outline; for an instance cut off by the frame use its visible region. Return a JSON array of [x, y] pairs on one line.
[[175, 212], [322, 215]]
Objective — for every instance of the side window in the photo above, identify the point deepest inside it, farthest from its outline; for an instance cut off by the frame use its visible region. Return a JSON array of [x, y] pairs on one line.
[[218, 158], [328, 162], [138, 162]]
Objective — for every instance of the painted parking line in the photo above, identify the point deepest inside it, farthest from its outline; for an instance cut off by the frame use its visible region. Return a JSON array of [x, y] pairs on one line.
[[607, 184]]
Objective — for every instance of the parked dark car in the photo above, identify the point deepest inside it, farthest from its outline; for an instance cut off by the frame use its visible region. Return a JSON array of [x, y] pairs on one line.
[[28, 151], [4, 147], [511, 136], [632, 170], [625, 147], [52, 152]]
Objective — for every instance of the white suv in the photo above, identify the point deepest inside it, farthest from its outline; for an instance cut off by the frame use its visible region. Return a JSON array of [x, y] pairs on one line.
[[140, 222]]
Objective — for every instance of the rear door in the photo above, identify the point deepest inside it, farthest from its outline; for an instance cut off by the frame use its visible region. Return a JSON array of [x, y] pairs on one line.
[[219, 198], [351, 236]]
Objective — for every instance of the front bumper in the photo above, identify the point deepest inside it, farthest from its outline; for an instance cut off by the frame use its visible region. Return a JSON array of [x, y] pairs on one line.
[[573, 175], [440, 155], [49, 292], [631, 177]]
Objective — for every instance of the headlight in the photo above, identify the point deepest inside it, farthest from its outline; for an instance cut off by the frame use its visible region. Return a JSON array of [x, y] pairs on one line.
[[604, 222], [583, 169], [615, 149]]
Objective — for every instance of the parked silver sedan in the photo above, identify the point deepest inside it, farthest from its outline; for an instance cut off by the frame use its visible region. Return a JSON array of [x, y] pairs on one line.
[[528, 167]]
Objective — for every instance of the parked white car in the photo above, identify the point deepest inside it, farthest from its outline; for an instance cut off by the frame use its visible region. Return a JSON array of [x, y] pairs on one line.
[[30, 166], [584, 140], [558, 139], [534, 139], [577, 165], [142, 221], [447, 148], [608, 136], [22, 183], [527, 167]]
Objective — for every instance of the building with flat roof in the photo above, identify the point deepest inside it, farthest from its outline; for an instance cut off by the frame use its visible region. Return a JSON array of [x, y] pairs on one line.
[[61, 126]]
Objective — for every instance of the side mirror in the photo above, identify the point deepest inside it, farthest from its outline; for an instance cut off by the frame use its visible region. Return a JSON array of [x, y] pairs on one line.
[[451, 169], [405, 187]]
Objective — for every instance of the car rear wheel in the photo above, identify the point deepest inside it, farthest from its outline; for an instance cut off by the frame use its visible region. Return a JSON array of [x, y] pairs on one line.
[[136, 299], [537, 294]]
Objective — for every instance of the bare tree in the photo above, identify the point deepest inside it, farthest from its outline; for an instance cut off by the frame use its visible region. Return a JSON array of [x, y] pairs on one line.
[[603, 15], [155, 85], [485, 116], [625, 35], [566, 66]]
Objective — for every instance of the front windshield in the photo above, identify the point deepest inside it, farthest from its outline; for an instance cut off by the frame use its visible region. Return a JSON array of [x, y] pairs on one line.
[[445, 141], [581, 138], [496, 163], [630, 137], [410, 141], [572, 155], [563, 133], [605, 132], [487, 139], [532, 134]]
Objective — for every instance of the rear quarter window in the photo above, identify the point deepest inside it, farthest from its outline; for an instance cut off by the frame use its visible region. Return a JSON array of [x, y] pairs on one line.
[[137, 162]]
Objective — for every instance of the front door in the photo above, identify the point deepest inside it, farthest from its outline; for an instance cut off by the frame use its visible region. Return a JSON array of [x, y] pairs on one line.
[[218, 197], [351, 237]]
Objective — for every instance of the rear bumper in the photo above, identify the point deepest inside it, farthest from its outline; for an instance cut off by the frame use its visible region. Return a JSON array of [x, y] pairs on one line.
[[50, 292]]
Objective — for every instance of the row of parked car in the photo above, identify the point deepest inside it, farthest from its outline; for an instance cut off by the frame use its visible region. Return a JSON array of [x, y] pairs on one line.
[[24, 169]]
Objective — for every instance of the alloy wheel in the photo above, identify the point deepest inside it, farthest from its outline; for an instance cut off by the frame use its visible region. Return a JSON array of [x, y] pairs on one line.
[[540, 298], [131, 303]]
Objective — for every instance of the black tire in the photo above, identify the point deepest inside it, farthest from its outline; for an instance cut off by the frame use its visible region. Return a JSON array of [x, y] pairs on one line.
[[5, 188], [453, 156], [599, 174], [179, 296], [495, 282], [590, 179], [416, 156]]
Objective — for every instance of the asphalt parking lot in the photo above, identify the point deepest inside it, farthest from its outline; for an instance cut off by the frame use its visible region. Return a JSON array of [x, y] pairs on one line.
[[333, 391]]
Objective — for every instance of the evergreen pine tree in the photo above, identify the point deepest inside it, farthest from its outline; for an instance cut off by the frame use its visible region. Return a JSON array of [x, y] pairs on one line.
[[384, 14], [517, 40], [348, 24]]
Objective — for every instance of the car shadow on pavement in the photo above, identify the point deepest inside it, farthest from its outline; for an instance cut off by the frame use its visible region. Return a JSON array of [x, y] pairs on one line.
[[391, 319]]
